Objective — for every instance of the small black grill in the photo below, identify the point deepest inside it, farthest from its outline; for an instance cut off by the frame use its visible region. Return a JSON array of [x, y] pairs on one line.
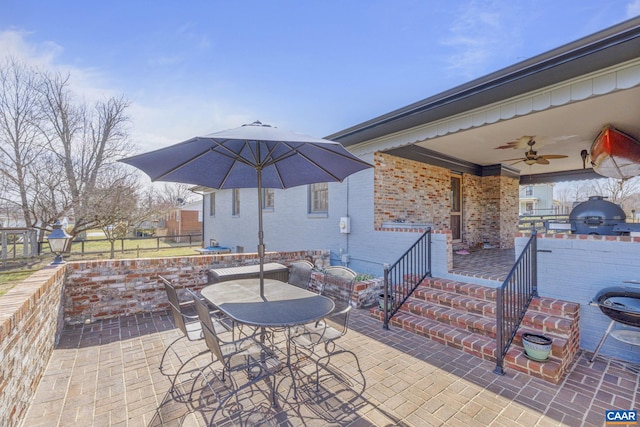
[[600, 217]]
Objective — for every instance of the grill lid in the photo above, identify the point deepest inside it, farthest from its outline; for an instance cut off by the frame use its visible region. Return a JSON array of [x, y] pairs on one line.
[[596, 209], [597, 216]]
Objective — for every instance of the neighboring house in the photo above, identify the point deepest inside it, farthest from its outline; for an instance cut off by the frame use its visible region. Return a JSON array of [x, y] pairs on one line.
[[537, 199], [437, 162], [185, 220]]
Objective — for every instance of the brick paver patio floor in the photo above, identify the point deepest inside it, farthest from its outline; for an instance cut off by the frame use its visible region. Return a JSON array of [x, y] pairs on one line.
[[106, 374]]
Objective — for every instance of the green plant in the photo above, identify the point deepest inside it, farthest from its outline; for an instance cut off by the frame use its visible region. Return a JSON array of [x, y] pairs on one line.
[[361, 277]]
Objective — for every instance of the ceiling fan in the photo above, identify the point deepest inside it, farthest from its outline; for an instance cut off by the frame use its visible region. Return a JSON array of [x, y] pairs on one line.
[[531, 157], [520, 143], [523, 142]]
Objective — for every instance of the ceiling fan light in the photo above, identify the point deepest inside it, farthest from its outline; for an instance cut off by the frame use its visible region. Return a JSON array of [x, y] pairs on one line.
[[531, 161]]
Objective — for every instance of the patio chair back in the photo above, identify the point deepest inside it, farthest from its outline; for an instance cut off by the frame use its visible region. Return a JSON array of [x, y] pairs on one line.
[[300, 274], [343, 272], [188, 324], [344, 278], [208, 328], [174, 304]]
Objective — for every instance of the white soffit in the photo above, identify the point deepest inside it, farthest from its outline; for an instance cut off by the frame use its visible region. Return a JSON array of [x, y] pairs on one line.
[[620, 77]]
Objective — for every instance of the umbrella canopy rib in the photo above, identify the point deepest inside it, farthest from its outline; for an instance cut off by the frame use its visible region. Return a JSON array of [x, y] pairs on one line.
[[319, 166], [179, 166]]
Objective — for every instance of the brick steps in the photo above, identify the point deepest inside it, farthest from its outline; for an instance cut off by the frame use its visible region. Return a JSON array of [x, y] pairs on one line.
[[462, 315]]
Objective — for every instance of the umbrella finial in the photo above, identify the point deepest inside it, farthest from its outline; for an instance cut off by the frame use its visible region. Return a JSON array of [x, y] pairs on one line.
[[257, 123]]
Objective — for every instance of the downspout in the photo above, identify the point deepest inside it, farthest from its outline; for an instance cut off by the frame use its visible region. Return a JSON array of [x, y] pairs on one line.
[[347, 216], [346, 250], [203, 221]]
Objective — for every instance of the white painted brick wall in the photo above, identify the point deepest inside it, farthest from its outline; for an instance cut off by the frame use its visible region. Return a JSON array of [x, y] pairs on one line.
[[575, 268], [369, 249]]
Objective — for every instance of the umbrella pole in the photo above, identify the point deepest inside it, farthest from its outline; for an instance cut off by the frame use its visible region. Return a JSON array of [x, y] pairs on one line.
[[260, 233]]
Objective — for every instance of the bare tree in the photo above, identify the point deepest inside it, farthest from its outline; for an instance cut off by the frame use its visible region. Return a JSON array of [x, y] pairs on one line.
[[20, 138], [114, 203], [173, 195], [58, 154], [49, 199], [86, 142], [576, 192], [625, 193], [565, 198], [616, 190]]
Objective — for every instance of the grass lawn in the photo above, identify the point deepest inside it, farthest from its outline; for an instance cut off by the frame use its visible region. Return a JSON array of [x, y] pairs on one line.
[[9, 279], [12, 273]]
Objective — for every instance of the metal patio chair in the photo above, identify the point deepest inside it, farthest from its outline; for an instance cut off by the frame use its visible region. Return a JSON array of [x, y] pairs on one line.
[[324, 333], [300, 274], [245, 355], [338, 273], [331, 328], [186, 320]]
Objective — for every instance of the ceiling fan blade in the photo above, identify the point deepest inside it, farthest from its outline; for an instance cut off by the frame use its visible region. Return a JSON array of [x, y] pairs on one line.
[[542, 161], [520, 143], [520, 159], [554, 156]]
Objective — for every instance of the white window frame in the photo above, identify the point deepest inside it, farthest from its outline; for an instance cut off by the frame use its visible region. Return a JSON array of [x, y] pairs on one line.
[[268, 199], [318, 202], [529, 208]]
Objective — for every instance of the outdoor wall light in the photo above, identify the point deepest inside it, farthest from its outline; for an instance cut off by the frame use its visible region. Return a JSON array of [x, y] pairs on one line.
[[58, 239]]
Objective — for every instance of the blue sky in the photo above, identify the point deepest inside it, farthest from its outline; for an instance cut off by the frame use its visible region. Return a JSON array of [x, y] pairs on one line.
[[314, 67]]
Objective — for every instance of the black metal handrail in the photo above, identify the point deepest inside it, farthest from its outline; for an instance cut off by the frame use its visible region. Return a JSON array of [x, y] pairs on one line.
[[513, 299], [404, 276]]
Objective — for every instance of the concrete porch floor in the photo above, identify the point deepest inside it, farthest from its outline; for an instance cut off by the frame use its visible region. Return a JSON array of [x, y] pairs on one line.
[[106, 374]]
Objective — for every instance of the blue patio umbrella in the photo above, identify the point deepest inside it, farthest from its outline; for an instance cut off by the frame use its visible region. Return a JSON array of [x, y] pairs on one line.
[[254, 155]]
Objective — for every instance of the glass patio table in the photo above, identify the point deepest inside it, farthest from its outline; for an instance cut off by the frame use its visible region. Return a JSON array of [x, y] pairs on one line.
[[283, 305]]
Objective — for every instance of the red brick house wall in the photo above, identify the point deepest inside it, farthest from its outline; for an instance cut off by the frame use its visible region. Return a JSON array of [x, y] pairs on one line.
[[415, 192], [410, 191], [187, 224]]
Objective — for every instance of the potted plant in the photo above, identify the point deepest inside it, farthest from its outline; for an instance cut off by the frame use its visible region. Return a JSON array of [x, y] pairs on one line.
[[536, 347]]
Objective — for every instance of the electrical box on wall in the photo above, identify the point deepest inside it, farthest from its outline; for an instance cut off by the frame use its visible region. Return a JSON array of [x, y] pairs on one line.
[[345, 225]]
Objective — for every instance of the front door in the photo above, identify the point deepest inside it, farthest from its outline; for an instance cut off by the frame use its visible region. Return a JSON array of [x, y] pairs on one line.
[[456, 207]]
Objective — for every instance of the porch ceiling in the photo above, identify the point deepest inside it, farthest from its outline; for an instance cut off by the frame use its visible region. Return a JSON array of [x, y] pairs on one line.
[[565, 130]]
